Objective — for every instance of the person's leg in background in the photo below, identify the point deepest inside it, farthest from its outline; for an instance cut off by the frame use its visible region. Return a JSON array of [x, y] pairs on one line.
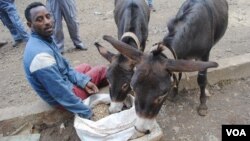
[[69, 11], [58, 36], [16, 21], [98, 77], [11, 19]]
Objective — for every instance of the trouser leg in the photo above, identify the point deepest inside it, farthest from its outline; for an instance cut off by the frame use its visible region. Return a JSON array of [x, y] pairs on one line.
[[98, 77], [7, 22], [70, 15], [58, 36], [16, 21], [10, 18], [83, 68]]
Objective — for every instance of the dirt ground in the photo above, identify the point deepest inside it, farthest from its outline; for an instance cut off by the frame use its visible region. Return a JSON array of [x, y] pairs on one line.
[[228, 104]]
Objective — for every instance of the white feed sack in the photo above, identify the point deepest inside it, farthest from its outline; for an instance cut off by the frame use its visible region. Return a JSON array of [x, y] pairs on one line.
[[114, 127]]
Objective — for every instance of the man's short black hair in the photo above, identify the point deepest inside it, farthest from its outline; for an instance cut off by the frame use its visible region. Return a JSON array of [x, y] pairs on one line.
[[29, 7]]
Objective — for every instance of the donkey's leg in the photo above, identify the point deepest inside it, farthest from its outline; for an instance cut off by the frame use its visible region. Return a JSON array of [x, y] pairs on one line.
[[173, 96], [202, 82]]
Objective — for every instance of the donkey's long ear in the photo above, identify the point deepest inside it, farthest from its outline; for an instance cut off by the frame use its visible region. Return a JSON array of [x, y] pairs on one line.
[[188, 66], [104, 52], [125, 49]]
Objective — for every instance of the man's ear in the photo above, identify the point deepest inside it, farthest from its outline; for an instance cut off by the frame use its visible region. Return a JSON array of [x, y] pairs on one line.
[[29, 24]]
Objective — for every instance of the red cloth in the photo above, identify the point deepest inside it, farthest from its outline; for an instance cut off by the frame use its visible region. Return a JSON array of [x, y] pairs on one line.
[[97, 74]]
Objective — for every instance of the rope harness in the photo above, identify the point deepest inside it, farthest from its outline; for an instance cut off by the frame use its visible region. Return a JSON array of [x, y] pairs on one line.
[[133, 36], [173, 75]]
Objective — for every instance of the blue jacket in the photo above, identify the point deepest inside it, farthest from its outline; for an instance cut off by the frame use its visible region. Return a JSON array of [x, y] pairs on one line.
[[51, 76]]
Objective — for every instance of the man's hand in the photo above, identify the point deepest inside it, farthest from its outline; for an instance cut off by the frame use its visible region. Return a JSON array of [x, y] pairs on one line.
[[91, 88]]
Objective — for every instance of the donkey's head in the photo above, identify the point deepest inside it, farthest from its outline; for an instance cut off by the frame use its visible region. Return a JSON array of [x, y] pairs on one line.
[[119, 74], [151, 81]]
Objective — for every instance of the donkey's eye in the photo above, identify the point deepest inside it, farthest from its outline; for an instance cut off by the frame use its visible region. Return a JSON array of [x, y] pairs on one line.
[[125, 86]]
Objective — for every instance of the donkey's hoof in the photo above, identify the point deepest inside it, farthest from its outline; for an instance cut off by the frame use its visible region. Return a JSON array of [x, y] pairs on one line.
[[202, 110]]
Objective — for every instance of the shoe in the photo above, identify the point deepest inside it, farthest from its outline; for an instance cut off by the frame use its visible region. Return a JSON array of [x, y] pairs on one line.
[[151, 8], [2, 43], [17, 43], [81, 47]]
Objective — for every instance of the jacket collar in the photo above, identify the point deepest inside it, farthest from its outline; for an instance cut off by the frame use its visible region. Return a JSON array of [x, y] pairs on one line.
[[47, 39]]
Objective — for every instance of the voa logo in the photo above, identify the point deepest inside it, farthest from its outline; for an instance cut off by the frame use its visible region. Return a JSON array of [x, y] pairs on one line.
[[236, 132]]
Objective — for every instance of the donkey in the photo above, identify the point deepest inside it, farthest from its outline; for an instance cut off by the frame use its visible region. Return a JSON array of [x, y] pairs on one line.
[[197, 27], [131, 18]]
